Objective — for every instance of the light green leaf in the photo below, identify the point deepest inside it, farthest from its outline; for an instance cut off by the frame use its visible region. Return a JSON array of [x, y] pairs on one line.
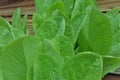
[[18, 57], [24, 24], [43, 5], [5, 24], [115, 50], [114, 17], [64, 46], [69, 5], [76, 68], [6, 28], [46, 67], [59, 5], [16, 23], [81, 5], [110, 64], [79, 22], [18, 33], [5, 36], [48, 47], [51, 27], [37, 21], [47, 63]]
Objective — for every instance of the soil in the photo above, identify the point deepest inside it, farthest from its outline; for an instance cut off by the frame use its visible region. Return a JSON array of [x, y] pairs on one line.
[[112, 77]]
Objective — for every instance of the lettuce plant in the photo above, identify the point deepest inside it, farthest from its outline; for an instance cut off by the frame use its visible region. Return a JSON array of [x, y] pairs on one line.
[[10, 32], [73, 41]]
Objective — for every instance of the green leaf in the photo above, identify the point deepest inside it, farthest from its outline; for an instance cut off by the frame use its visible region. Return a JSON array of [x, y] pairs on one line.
[[69, 5], [24, 24], [48, 47], [6, 32], [46, 67], [16, 23], [113, 13], [100, 33], [115, 50], [64, 46], [110, 64], [1, 76], [43, 5], [5, 36], [51, 27], [1, 49], [76, 67], [79, 22], [83, 42], [47, 63], [114, 17], [37, 21], [18, 33], [5, 24], [81, 5], [18, 57], [59, 5]]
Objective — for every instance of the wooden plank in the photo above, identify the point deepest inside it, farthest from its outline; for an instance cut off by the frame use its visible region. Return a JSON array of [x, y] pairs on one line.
[[28, 7], [8, 6], [29, 23], [106, 5]]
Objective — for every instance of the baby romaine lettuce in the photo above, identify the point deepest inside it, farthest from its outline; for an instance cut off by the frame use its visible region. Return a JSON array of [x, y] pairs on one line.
[[77, 67], [18, 58], [73, 41]]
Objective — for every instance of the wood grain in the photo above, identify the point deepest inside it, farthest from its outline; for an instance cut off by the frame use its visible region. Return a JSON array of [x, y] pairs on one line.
[[8, 6], [106, 5], [28, 7]]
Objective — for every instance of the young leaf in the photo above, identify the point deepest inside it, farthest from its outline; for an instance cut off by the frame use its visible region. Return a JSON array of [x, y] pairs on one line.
[[59, 5], [18, 57], [75, 68], [43, 5], [37, 21], [16, 23], [81, 5], [51, 27], [24, 25]]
